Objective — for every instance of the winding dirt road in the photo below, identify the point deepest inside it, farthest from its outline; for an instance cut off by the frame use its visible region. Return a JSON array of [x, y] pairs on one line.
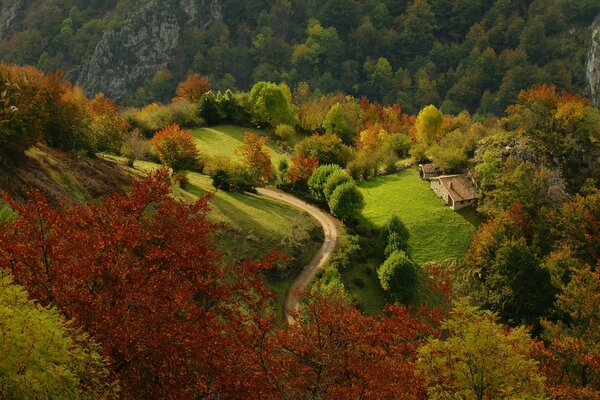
[[332, 234]]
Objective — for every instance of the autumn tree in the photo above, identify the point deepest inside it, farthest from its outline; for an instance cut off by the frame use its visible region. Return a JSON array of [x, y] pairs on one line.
[[140, 273], [428, 125], [302, 168], [107, 127], [333, 351], [327, 149], [480, 359], [175, 147], [193, 88], [573, 361], [42, 357], [256, 158], [21, 108]]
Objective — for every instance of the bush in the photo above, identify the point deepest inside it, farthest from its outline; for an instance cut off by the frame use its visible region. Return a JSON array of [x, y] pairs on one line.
[[400, 144], [327, 149], [347, 251], [398, 276], [175, 148], [346, 202], [318, 179], [285, 132], [185, 114], [210, 110], [336, 179], [394, 235], [228, 176], [135, 147]]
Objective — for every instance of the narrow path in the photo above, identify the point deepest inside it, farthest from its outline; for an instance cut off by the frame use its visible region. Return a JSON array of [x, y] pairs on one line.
[[292, 301]]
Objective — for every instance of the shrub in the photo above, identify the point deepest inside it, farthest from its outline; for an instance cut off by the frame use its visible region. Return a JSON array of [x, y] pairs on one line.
[[394, 235], [318, 179], [185, 113], [135, 147], [285, 132], [347, 251], [346, 202], [327, 149], [336, 179], [228, 175], [398, 276], [175, 148], [210, 110]]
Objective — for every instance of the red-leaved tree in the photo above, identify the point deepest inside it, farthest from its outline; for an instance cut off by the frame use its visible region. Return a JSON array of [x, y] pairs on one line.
[[193, 88], [140, 274]]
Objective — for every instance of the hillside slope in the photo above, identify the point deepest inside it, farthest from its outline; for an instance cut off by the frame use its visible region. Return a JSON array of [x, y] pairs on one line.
[[67, 177], [470, 54]]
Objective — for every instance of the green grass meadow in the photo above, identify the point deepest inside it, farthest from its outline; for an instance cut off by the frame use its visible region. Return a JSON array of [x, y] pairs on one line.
[[436, 232], [224, 141]]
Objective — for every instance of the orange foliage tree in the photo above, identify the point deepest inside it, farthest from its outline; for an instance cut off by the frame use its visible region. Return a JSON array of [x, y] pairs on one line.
[[141, 275], [302, 168], [22, 108], [193, 88], [256, 158], [175, 147]]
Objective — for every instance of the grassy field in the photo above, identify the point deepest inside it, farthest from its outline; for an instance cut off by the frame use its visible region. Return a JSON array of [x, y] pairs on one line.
[[362, 283], [436, 232], [224, 140]]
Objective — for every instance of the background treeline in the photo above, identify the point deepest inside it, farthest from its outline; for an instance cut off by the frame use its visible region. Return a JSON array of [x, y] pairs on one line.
[[469, 54]]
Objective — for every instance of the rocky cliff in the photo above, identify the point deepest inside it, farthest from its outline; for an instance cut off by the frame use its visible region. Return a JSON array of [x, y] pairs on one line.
[[593, 64], [142, 44], [9, 10]]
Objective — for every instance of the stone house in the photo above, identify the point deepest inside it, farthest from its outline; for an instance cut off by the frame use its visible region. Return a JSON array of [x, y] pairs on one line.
[[428, 171], [458, 191]]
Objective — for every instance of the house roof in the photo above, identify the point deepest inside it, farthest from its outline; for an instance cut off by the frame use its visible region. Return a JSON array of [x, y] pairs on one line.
[[459, 187], [428, 168]]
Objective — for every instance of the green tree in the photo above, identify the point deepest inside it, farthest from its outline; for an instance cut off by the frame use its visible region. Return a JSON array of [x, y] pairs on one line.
[[271, 104], [342, 120], [428, 125], [394, 235], [318, 179], [41, 357], [398, 276], [346, 202], [519, 288], [333, 181], [480, 359]]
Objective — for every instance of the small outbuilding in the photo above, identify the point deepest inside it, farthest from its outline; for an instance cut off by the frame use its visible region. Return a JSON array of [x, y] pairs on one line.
[[458, 191], [428, 171]]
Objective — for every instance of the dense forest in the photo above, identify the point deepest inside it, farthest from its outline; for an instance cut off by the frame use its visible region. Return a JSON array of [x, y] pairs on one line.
[[469, 54]]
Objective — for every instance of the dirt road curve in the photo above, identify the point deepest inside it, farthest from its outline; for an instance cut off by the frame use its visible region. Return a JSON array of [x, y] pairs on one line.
[[308, 273]]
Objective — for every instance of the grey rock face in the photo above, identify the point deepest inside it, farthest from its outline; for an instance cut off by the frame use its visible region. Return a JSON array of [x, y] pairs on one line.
[[141, 45], [9, 10], [593, 65]]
